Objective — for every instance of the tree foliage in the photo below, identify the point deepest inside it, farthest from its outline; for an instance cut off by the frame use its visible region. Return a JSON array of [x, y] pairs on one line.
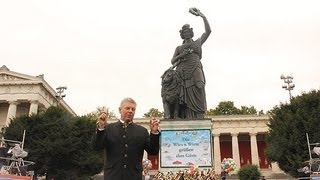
[[286, 141], [111, 114], [153, 112], [244, 110], [228, 108], [58, 143], [249, 172]]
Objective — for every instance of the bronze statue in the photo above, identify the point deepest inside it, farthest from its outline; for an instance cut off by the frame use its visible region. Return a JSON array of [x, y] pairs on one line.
[[186, 60], [171, 87]]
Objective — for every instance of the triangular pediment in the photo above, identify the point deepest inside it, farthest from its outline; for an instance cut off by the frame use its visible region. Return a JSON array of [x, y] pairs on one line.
[[7, 75]]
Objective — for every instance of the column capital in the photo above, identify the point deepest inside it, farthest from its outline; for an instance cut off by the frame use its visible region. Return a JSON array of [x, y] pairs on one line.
[[253, 133], [14, 102], [215, 134], [34, 101], [234, 134]]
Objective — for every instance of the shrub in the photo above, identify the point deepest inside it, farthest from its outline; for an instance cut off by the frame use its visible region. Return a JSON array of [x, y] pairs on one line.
[[249, 172]]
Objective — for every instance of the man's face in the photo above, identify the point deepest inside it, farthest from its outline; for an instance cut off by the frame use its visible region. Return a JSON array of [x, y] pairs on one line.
[[127, 111]]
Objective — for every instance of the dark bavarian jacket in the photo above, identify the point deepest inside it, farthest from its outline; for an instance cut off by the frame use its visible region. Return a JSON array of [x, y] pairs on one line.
[[124, 148]]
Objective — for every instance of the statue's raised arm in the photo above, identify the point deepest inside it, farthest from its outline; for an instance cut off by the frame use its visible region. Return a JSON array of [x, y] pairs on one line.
[[207, 27]]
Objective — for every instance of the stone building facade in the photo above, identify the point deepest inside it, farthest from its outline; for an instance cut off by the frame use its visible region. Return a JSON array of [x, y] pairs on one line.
[[22, 94], [240, 137]]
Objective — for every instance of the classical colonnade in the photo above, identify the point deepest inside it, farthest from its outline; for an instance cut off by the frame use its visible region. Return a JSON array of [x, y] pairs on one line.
[[247, 144], [241, 138], [253, 152], [9, 109]]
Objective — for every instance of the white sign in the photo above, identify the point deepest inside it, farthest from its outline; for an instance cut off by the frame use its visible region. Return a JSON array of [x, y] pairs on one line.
[[183, 148]]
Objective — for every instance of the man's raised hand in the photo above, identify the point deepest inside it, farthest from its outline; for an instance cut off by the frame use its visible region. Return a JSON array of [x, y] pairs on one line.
[[102, 119]]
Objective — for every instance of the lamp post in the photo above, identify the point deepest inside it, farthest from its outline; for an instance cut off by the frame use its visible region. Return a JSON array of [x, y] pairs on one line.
[[288, 84], [60, 91]]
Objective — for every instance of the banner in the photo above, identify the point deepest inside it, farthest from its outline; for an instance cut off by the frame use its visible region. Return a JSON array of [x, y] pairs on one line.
[[183, 148]]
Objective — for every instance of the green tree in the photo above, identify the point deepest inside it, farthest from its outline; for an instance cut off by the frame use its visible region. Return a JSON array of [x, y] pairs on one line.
[[247, 110], [58, 143], [228, 108], [153, 112], [286, 140], [94, 115], [249, 172], [225, 108], [86, 161]]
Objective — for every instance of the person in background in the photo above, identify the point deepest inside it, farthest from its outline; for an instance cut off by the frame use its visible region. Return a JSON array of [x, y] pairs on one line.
[[223, 175], [124, 143]]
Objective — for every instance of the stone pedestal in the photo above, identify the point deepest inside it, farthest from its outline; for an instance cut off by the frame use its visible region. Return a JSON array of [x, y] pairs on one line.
[[185, 143]]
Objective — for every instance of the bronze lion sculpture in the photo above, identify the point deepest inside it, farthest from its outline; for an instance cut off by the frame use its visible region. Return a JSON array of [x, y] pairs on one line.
[[170, 91]]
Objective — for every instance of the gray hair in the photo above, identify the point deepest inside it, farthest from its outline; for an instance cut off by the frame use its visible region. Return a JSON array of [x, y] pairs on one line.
[[128, 99]]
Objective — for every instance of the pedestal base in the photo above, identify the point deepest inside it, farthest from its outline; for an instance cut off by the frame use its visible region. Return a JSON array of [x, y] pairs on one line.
[[185, 143]]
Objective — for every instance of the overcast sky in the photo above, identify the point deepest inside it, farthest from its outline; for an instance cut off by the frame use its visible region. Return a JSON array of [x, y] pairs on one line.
[[105, 50]]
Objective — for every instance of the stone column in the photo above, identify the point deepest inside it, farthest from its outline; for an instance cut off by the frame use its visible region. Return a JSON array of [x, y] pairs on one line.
[[11, 111], [254, 149], [216, 153], [33, 107], [235, 150]]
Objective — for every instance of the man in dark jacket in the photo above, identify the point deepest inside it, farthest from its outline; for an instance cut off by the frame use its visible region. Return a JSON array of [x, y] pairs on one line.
[[124, 143]]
